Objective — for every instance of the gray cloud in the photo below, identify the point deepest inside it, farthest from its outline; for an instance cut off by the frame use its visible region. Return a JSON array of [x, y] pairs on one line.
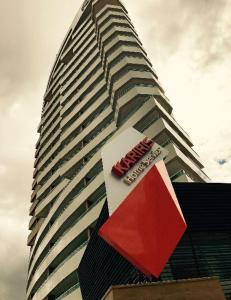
[[13, 49], [13, 268], [15, 174], [30, 38], [200, 23], [211, 24]]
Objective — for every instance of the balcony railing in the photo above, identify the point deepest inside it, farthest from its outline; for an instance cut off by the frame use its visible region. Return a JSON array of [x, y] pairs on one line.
[[68, 229], [166, 143], [68, 292], [66, 259], [177, 175]]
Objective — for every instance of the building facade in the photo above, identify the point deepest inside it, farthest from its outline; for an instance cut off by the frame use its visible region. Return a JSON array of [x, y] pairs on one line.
[[102, 82], [194, 289]]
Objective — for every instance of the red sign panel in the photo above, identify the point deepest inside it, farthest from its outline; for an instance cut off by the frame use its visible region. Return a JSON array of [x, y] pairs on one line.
[[147, 224]]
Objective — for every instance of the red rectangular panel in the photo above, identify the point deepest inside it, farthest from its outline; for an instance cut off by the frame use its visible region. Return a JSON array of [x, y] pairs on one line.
[[147, 226]]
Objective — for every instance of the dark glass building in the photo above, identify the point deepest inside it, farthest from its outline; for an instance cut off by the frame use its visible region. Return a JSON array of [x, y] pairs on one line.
[[204, 251]]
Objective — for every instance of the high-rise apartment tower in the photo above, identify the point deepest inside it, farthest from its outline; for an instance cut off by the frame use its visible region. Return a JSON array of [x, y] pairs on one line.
[[102, 82]]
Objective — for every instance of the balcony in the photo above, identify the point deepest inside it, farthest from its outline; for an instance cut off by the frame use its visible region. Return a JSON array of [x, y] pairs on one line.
[[40, 126], [32, 235], [125, 103], [64, 245], [33, 206], [177, 160], [73, 293], [66, 199], [34, 194], [181, 176], [57, 278], [162, 128], [41, 209], [32, 221], [47, 145]]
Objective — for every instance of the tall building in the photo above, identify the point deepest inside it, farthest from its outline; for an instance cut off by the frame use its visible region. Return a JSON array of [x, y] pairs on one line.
[[102, 82]]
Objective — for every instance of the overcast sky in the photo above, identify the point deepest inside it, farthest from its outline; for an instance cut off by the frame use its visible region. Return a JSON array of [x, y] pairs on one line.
[[188, 42]]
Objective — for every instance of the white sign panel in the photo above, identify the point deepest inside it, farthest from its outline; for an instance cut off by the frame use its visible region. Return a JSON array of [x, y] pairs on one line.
[[126, 160]]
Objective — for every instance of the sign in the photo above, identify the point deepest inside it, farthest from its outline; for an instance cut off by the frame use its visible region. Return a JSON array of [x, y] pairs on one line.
[[146, 221], [120, 166]]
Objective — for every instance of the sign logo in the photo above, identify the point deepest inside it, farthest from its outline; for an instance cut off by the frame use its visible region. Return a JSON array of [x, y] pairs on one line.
[[126, 163], [120, 169]]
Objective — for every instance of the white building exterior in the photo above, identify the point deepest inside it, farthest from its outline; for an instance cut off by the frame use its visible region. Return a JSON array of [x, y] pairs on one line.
[[102, 82]]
